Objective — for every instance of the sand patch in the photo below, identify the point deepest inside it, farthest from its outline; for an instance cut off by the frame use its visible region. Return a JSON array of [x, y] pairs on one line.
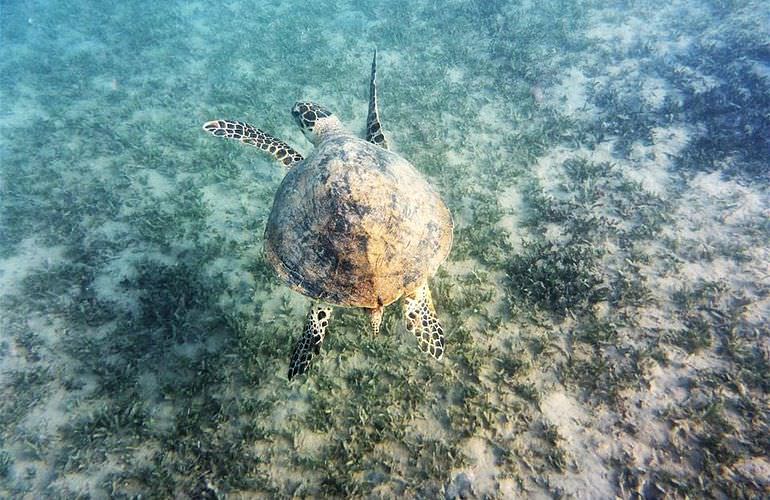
[[652, 163], [570, 95], [586, 447], [482, 472], [31, 255]]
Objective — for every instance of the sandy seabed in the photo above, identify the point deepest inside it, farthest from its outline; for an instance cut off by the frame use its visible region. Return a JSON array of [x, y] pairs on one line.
[[606, 300]]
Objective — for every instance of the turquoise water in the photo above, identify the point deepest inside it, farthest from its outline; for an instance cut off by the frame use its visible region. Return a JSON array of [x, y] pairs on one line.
[[605, 302]]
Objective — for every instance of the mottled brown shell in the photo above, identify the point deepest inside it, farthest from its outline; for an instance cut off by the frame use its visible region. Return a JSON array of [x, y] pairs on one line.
[[356, 225]]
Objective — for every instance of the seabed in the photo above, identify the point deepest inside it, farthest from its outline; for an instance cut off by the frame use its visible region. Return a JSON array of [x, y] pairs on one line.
[[606, 301]]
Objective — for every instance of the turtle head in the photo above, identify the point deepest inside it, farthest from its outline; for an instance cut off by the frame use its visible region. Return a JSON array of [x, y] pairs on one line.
[[315, 121]]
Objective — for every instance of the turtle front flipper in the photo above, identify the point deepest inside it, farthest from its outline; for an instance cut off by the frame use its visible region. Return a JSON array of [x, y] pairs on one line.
[[373, 128], [422, 321], [251, 135], [309, 344]]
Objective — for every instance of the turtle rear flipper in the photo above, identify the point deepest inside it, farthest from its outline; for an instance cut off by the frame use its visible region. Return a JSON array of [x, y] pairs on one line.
[[375, 319], [373, 128], [422, 321], [251, 135], [309, 344]]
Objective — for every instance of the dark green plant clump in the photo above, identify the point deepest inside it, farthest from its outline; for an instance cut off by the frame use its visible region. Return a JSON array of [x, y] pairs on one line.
[[6, 460], [563, 280], [735, 112]]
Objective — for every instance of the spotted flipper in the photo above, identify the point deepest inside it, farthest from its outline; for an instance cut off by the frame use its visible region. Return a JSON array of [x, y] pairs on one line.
[[373, 128], [421, 320], [375, 318], [309, 344], [248, 134]]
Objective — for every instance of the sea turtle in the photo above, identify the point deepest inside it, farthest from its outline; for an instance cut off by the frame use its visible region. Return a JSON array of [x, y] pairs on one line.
[[352, 225]]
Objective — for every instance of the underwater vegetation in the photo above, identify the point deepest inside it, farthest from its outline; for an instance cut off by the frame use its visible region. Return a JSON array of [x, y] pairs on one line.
[[559, 280], [606, 299]]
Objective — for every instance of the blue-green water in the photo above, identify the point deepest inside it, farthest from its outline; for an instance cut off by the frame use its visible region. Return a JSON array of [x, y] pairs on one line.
[[605, 302]]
